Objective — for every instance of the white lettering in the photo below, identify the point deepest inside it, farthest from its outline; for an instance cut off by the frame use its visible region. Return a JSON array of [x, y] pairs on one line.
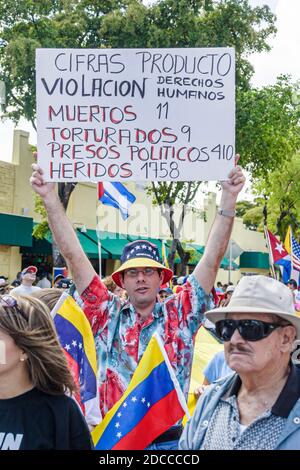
[[11, 442]]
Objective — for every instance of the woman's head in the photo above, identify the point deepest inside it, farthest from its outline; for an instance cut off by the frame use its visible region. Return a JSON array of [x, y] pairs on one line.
[[49, 296], [32, 336]]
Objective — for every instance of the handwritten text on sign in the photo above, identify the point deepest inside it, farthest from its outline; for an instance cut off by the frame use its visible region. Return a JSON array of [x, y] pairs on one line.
[[135, 114]]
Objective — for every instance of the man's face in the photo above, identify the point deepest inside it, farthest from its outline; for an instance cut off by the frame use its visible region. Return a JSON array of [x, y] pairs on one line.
[[142, 285], [163, 295], [29, 277], [246, 357]]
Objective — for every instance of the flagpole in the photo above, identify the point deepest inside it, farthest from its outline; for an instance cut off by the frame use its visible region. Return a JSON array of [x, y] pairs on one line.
[[294, 271], [100, 259], [58, 304], [270, 251], [99, 247], [291, 247]]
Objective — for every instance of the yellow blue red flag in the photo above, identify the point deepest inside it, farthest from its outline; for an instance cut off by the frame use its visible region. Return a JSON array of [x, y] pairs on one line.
[[76, 337], [152, 403]]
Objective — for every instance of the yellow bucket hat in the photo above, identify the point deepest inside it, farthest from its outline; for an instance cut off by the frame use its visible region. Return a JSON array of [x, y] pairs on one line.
[[140, 254]]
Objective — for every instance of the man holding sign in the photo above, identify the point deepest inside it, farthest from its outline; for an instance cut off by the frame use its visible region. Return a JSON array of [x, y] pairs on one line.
[[141, 115], [122, 332]]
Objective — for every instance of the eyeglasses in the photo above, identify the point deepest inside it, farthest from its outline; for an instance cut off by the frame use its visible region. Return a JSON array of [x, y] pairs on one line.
[[8, 301], [250, 330], [133, 272]]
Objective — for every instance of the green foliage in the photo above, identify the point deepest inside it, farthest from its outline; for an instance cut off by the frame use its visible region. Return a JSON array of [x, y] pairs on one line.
[[28, 24], [267, 127], [282, 191], [41, 229], [252, 213]]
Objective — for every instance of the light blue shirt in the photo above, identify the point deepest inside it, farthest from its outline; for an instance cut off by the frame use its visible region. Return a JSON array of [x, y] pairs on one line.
[[217, 368]]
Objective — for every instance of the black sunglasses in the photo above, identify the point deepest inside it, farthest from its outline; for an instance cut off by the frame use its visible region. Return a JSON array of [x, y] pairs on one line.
[[8, 301], [250, 330]]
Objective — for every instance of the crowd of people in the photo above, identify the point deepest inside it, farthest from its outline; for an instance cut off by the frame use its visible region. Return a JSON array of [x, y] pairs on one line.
[[250, 398]]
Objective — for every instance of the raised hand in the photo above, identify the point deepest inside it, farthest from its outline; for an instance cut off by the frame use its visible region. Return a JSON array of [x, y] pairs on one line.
[[38, 184], [236, 180]]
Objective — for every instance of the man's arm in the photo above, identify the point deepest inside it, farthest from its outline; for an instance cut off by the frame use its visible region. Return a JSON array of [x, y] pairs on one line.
[[207, 268], [63, 232]]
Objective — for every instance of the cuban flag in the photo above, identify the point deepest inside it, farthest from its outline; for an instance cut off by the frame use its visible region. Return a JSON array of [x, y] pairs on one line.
[[116, 195]]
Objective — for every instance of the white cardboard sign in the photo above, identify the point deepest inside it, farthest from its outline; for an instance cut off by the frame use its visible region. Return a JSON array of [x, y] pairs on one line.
[[136, 114]]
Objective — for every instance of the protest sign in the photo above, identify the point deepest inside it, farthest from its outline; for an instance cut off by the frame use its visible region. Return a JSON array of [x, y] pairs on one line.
[[135, 114]]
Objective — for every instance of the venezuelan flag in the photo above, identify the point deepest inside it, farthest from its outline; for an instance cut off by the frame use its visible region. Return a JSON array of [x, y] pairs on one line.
[[76, 337], [152, 403]]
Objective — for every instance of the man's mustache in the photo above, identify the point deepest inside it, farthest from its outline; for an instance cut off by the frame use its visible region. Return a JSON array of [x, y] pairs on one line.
[[238, 348]]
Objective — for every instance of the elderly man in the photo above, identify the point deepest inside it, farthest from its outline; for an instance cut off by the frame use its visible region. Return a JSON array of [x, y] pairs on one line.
[[123, 331], [258, 407]]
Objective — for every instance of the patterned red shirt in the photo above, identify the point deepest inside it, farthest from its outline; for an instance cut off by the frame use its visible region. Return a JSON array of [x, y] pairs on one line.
[[121, 336]]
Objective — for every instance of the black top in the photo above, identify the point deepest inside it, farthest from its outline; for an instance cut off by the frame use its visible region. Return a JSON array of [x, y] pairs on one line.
[[287, 398], [38, 421]]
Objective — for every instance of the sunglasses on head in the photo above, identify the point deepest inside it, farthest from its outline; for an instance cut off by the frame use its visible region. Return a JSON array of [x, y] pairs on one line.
[[250, 330], [8, 301]]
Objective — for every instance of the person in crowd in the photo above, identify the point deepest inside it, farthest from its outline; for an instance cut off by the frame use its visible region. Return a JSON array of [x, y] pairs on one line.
[[215, 370], [292, 285], [17, 281], [122, 332], [228, 293], [92, 412], [28, 278], [164, 293], [64, 283], [44, 282], [35, 413], [112, 287], [219, 288], [57, 279], [4, 285], [258, 407]]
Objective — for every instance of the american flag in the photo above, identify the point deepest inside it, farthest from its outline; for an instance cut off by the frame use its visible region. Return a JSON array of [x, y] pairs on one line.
[[295, 254]]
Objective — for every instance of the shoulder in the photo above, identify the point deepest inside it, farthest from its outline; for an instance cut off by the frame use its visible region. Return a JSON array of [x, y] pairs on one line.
[[59, 402], [95, 291], [15, 290]]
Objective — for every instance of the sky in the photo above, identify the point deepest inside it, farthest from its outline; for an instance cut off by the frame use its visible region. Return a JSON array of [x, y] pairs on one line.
[[282, 59]]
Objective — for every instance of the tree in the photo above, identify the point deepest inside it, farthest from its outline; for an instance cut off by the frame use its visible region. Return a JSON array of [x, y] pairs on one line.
[[252, 213], [29, 24], [166, 195], [267, 126], [282, 189], [181, 23]]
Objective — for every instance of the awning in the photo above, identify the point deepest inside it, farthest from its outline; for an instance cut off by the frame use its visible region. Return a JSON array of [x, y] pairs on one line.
[[112, 243], [90, 247], [254, 259], [44, 246], [16, 230]]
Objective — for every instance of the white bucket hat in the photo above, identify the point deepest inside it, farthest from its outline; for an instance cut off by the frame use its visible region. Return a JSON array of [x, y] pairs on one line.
[[259, 294]]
